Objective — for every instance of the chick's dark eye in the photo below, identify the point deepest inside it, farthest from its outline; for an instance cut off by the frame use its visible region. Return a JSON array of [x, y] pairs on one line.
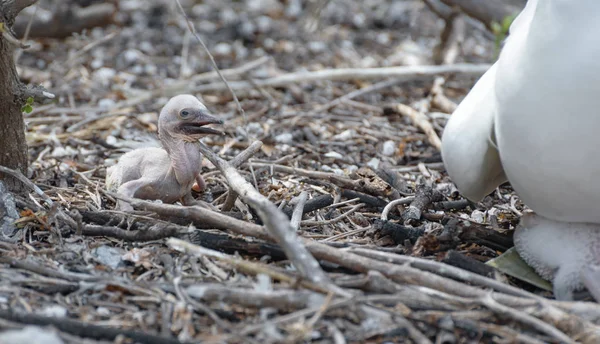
[[184, 113]]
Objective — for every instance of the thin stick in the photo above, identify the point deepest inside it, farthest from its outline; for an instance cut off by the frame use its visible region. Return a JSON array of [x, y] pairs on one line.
[[298, 211], [392, 204]]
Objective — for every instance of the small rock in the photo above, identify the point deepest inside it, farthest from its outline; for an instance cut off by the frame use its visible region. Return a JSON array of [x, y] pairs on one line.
[[54, 311], [222, 49], [108, 255], [373, 163], [60, 152], [264, 24], [246, 29], [255, 129], [269, 43], [478, 216], [284, 138], [345, 135], [228, 16], [131, 55], [106, 103], [150, 69], [317, 46], [389, 148], [359, 20], [263, 283], [368, 62], [103, 311], [351, 168], [147, 47], [334, 155], [104, 76], [263, 6], [383, 38], [30, 334], [111, 140], [294, 8], [97, 63]]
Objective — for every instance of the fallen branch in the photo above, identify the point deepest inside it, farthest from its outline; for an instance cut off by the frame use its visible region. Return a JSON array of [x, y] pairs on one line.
[[84, 330], [243, 265], [405, 73], [282, 300], [66, 20], [274, 219]]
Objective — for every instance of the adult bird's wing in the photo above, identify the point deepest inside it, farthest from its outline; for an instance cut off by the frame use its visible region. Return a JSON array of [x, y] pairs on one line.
[[469, 148], [468, 143]]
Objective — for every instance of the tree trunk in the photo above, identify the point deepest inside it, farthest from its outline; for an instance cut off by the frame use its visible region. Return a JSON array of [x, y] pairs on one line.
[[13, 148]]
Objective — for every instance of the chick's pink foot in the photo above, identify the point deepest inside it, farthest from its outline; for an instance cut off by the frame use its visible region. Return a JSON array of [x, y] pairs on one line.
[[199, 185]]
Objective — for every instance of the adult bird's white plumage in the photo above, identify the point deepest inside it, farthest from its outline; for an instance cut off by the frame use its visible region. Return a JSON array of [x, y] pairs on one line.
[[533, 119]]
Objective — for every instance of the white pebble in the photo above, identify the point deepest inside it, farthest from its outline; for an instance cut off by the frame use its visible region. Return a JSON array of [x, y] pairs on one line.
[[111, 140], [106, 103], [373, 163], [104, 75], [284, 138], [222, 49], [389, 148], [334, 155], [131, 55], [54, 311], [97, 63], [345, 135], [478, 216]]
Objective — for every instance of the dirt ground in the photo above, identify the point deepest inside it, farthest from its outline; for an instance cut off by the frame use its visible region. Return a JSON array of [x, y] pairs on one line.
[[93, 274]]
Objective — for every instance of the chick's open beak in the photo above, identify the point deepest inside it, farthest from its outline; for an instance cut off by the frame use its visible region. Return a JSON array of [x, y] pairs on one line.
[[197, 126]]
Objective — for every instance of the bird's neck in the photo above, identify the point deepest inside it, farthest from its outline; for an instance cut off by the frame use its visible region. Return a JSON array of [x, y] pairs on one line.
[[185, 159]]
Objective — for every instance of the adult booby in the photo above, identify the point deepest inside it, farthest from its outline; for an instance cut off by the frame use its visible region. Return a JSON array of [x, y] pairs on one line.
[[532, 119]]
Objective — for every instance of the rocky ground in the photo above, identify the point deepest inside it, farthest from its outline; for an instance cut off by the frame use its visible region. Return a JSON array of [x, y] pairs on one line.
[[351, 144]]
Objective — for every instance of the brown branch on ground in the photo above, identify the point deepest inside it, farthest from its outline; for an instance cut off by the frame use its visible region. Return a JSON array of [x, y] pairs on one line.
[[84, 329], [67, 20]]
